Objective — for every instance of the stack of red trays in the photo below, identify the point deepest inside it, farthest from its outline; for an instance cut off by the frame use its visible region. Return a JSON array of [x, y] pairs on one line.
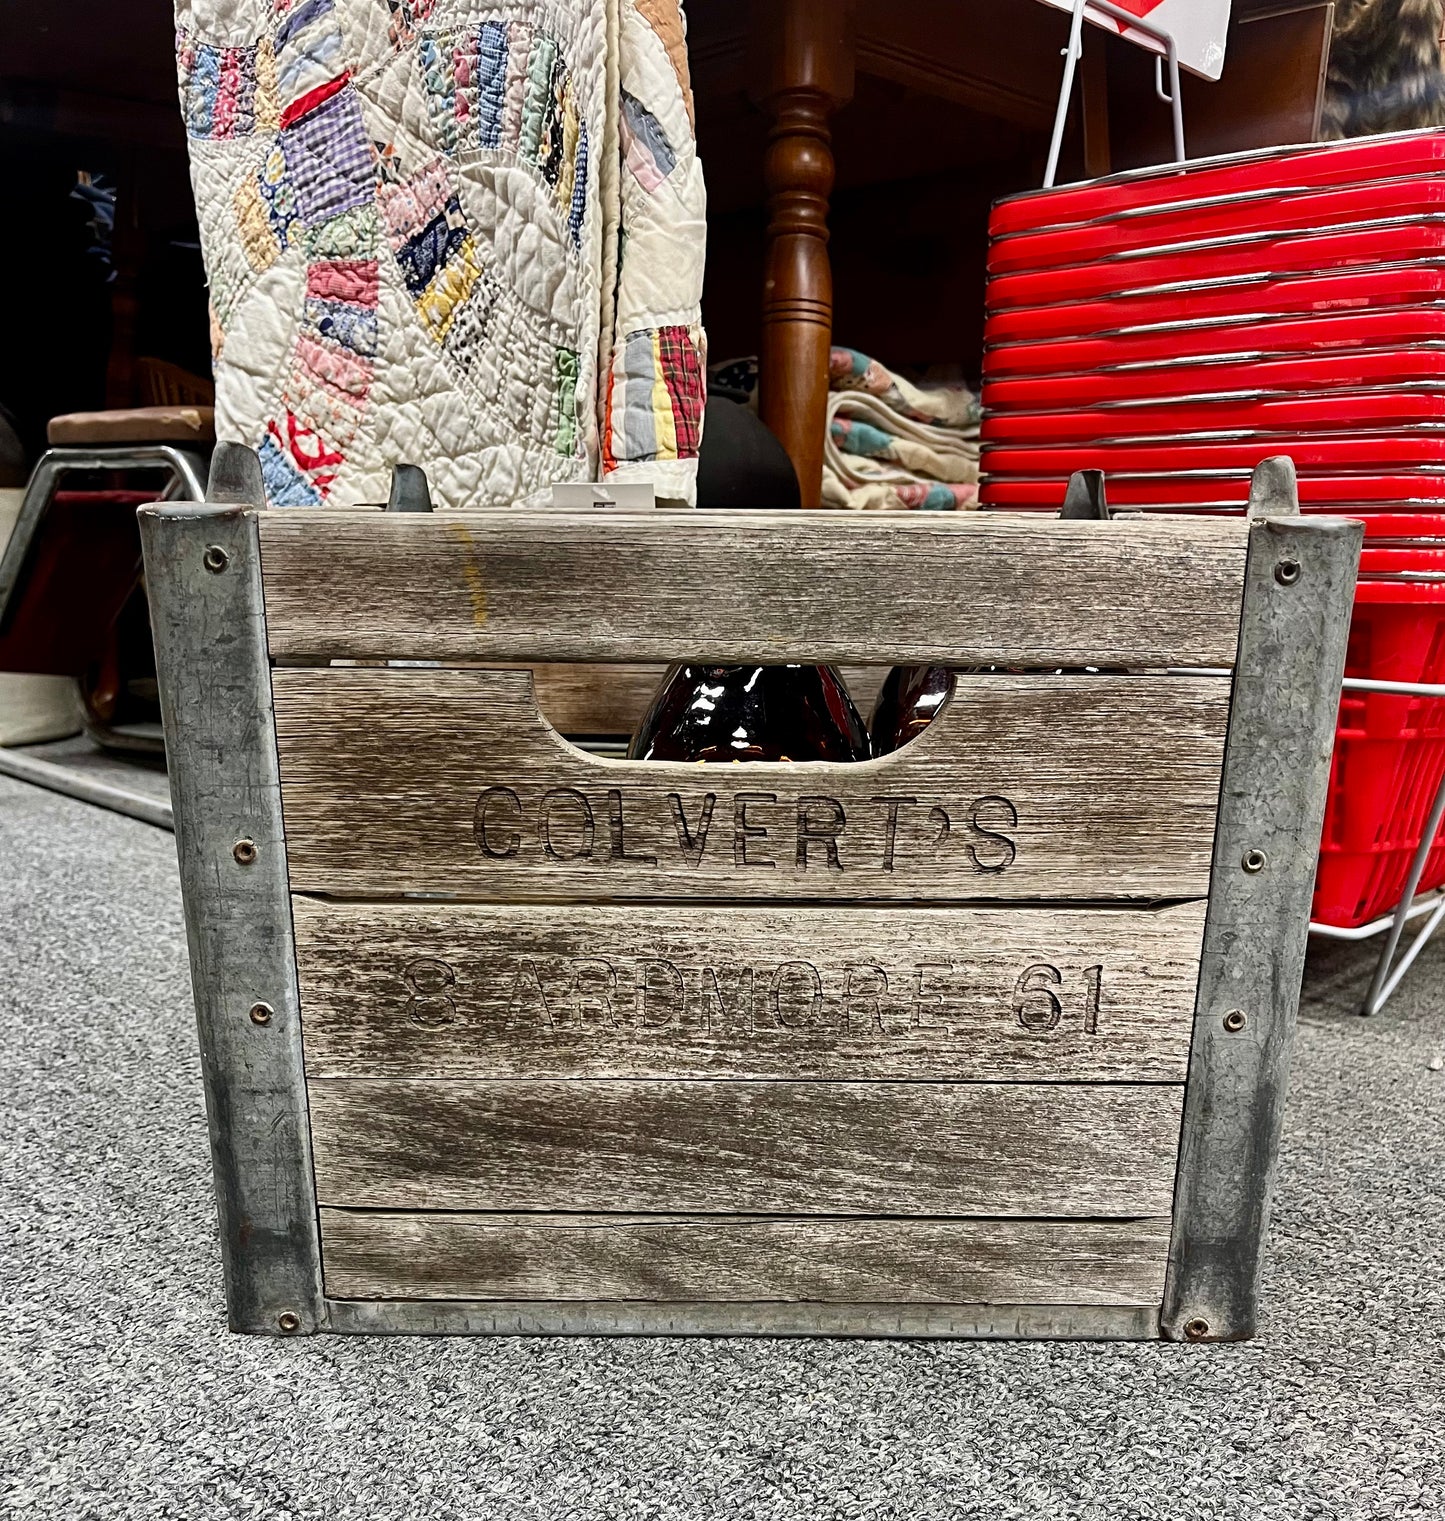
[[1389, 747], [1175, 327]]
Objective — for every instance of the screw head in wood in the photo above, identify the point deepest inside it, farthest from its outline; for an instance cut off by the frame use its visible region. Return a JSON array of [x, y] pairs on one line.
[[1235, 1021], [1196, 1329], [244, 851], [261, 1013], [289, 1321], [1287, 572], [215, 559], [1254, 861]]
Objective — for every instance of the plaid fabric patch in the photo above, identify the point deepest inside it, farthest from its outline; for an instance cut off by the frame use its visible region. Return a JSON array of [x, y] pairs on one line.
[[329, 159], [682, 371], [491, 82]]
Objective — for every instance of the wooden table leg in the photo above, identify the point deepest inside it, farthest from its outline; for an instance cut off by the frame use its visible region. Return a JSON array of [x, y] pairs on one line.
[[805, 69]]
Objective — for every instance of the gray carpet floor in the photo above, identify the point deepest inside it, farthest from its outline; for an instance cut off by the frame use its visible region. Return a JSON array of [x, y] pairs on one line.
[[123, 1395]]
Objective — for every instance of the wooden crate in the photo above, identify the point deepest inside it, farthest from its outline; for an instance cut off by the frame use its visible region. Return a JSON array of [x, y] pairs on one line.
[[987, 1037]]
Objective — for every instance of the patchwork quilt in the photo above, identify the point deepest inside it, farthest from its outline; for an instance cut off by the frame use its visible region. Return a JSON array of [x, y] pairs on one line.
[[461, 234]]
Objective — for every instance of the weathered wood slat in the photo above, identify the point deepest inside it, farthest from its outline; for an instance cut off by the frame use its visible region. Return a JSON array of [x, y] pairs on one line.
[[452, 1317], [451, 991], [595, 699], [379, 1255], [1040, 1150], [880, 589], [1045, 787]]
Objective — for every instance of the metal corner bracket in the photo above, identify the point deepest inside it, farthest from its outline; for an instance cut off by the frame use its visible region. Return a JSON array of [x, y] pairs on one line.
[[1294, 625], [203, 573]]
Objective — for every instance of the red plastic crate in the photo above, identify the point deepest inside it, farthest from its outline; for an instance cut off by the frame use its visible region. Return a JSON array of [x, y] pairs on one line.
[[1389, 752], [1253, 298], [1400, 240], [1278, 418], [1392, 328], [1313, 455], [1175, 327], [1347, 496], [1278, 214], [1393, 156]]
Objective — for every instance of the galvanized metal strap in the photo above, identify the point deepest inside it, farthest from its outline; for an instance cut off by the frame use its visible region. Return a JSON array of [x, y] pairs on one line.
[[203, 573], [1299, 588]]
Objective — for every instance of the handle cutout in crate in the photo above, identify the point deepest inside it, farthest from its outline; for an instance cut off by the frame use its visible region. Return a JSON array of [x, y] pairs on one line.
[[417, 780]]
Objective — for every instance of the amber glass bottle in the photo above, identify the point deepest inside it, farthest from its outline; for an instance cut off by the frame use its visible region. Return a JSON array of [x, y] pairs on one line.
[[908, 703], [751, 713]]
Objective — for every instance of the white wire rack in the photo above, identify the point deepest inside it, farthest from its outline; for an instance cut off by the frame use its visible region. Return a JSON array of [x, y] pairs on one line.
[[1075, 51], [1388, 973]]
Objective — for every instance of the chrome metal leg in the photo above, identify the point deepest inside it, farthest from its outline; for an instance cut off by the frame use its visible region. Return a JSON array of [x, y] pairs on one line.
[[1385, 981]]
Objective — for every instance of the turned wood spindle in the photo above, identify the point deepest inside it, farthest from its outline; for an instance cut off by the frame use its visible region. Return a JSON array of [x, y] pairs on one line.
[[809, 74]]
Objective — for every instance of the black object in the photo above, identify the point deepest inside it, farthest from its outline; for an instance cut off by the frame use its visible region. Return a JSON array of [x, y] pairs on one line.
[[741, 463], [751, 713], [760, 712]]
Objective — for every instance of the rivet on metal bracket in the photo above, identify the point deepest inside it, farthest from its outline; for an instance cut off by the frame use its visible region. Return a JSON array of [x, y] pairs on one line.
[[1254, 861], [1235, 1021], [261, 1013], [244, 851], [215, 559], [289, 1321], [1287, 572], [1196, 1329]]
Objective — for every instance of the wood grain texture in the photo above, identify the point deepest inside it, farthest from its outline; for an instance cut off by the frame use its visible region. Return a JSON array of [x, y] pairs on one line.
[[596, 699], [444, 1317], [379, 1255], [449, 991], [958, 589], [766, 1148], [1053, 787]]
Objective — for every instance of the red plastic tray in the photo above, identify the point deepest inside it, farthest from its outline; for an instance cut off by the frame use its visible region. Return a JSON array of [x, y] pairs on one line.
[[1398, 327], [1312, 455], [1352, 369], [1250, 299], [1278, 214], [1374, 158], [1392, 242], [1425, 533], [1247, 415], [1389, 755], [1227, 490]]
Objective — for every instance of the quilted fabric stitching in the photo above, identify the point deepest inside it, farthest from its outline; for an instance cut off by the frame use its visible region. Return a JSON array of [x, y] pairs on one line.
[[471, 339]]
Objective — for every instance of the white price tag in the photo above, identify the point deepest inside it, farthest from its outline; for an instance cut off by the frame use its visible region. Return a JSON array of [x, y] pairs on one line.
[[1198, 28]]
